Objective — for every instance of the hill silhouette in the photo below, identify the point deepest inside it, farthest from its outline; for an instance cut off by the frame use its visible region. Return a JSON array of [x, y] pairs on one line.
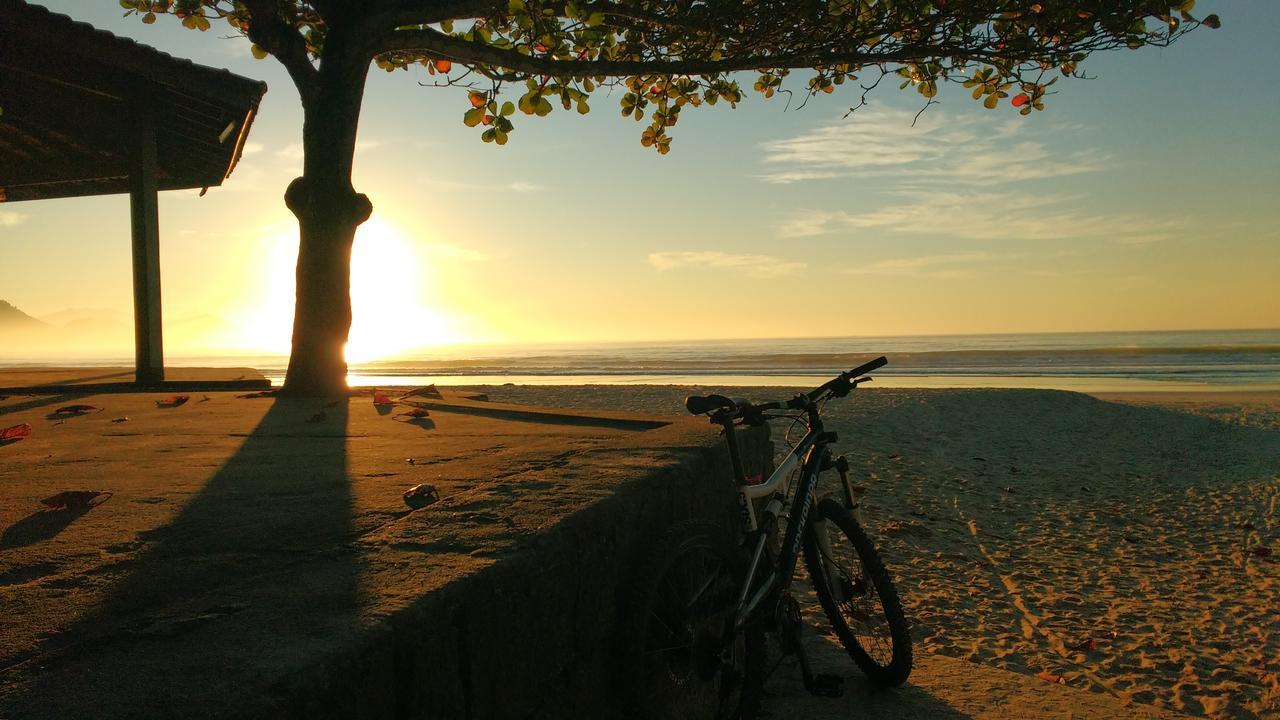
[[12, 317]]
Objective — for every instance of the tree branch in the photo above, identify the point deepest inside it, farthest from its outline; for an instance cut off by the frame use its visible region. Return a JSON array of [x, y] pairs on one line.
[[269, 31], [395, 13], [465, 51]]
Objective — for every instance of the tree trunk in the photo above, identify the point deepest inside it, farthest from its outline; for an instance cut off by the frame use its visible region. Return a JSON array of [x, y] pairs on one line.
[[328, 210]]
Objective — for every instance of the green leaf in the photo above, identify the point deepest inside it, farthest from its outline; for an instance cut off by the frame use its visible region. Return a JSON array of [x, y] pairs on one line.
[[472, 117], [992, 100], [1212, 21], [258, 52], [507, 108], [489, 135]]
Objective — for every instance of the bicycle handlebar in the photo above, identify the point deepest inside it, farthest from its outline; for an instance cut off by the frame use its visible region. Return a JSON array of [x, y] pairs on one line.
[[838, 386]]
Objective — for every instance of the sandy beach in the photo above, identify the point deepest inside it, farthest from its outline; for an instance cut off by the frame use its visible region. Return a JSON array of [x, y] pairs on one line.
[[1126, 544]]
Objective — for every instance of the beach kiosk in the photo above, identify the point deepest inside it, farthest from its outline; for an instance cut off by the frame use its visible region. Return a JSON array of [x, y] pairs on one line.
[[84, 112]]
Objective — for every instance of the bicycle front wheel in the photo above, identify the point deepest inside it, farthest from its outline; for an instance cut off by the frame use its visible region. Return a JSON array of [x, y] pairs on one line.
[[691, 663], [858, 596]]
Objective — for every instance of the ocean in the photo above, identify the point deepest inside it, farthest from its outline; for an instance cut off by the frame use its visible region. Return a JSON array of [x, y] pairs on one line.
[[1116, 360], [1121, 361]]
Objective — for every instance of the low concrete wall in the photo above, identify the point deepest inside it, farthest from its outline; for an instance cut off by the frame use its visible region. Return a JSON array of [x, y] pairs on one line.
[[536, 635]]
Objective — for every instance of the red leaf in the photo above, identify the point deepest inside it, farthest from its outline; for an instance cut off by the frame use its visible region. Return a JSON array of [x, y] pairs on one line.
[[16, 432], [1051, 678], [380, 398], [1020, 99], [477, 99], [172, 401]]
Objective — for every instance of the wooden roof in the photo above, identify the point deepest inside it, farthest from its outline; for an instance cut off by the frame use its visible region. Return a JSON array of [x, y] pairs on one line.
[[69, 94]]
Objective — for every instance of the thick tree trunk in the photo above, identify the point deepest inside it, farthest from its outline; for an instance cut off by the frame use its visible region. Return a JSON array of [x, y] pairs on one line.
[[328, 210]]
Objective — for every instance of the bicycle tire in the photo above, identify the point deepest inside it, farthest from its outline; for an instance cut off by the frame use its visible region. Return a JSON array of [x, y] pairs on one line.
[[680, 665], [853, 617]]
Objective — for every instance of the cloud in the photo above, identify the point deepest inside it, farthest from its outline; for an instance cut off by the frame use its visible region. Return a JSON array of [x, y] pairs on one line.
[[519, 186], [11, 219], [294, 151], [754, 265], [455, 252], [934, 266], [1008, 215], [939, 148]]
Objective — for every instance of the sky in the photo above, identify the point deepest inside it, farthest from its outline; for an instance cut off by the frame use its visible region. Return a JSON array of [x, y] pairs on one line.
[[1143, 199]]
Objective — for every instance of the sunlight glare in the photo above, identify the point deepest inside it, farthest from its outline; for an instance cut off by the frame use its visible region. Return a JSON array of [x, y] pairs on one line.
[[390, 280]]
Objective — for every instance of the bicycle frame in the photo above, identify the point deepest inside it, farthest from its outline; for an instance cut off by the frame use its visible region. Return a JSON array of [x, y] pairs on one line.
[[811, 454]]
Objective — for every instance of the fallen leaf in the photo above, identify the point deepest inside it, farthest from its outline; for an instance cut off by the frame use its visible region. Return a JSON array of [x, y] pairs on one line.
[[259, 394], [76, 410], [427, 391], [420, 496], [415, 413], [76, 499], [120, 419], [1246, 525], [380, 398], [894, 456], [1085, 644], [15, 432], [1260, 551], [1051, 678], [173, 401]]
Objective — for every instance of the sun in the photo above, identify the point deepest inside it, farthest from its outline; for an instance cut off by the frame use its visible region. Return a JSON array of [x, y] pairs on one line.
[[391, 285], [388, 314]]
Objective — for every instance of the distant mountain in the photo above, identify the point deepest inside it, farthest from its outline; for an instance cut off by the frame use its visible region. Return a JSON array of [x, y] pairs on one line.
[[12, 317]]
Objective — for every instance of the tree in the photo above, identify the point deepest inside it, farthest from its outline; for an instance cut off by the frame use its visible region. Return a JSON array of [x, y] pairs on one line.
[[669, 55]]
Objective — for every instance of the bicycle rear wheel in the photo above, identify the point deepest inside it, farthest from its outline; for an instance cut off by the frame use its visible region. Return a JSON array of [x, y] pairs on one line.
[[858, 596], [687, 660]]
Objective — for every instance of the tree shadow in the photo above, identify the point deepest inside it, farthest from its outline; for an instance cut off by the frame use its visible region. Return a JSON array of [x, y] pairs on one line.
[[255, 573], [39, 401], [39, 526]]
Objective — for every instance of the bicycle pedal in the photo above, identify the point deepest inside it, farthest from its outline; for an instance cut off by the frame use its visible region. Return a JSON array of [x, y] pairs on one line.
[[826, 685]]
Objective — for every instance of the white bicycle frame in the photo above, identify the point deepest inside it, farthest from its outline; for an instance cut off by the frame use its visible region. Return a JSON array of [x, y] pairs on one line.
[[780, 490]]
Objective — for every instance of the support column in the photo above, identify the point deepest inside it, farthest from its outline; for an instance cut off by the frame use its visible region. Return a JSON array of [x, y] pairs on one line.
[[145, 214]]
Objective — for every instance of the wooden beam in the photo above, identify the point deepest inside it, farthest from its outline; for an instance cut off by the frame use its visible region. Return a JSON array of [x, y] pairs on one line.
[[145, 214]]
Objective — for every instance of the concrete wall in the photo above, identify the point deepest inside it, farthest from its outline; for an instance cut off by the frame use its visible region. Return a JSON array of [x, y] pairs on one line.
[[537, 634]]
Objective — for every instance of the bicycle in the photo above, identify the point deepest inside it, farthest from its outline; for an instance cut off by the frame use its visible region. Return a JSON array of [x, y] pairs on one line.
[[704, 605]]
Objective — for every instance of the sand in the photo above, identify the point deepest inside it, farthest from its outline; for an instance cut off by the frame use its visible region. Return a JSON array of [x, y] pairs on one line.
[[1120, 544]]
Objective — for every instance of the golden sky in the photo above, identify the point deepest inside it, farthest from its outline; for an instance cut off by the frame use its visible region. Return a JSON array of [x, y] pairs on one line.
[[1144, 199]]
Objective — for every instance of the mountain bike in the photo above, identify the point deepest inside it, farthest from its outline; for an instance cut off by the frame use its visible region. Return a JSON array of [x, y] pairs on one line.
[[706, 599]]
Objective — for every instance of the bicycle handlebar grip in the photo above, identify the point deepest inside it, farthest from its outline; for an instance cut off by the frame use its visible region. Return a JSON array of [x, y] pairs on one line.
[[700, 404], [873, 365]]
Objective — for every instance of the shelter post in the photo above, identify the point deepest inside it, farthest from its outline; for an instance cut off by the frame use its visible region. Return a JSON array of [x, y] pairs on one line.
[[145, 215]]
